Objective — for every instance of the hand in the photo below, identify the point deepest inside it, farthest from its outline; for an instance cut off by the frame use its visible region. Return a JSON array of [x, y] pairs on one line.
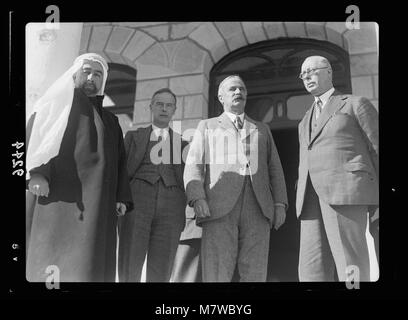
[[38, 185], [201, 208], [120, 209], [374, 213], [280, 217]]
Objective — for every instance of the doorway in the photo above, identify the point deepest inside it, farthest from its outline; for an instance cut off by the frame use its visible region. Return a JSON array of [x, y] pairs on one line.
[[284, 243]]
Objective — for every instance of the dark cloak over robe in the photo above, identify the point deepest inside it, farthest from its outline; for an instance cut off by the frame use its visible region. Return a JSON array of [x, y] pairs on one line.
[[74, 227]]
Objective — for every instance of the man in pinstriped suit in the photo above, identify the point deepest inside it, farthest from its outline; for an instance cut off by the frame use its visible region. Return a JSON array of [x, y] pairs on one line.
[[338, 179]]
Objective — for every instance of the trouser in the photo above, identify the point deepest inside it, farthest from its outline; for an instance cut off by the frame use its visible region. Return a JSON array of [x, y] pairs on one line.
[[187, 265], [333, 243], [153, 227], [239, 239]]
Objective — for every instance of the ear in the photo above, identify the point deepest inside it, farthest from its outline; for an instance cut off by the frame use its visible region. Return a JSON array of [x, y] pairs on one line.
[[220, 98]]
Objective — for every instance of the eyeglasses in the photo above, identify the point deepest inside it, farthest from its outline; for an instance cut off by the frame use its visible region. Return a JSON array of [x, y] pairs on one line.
[[165, 105], [309, 72]]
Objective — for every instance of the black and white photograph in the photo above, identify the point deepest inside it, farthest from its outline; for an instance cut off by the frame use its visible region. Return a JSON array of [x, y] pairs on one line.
[[194, 152]]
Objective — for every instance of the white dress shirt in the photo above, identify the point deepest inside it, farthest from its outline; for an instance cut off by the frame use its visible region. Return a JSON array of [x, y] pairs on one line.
[[160, 131], [233, 116], [325, 97]]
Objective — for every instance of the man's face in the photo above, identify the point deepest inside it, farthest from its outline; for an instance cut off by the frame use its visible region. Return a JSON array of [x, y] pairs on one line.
[[233, 95], [163, 107], [89, 77], [318, 81]]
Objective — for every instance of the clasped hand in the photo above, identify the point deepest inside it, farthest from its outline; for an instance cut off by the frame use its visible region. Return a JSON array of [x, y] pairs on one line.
[[38, 185], [201, 208]]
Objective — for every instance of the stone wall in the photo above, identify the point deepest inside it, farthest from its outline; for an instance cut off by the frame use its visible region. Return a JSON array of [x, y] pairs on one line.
[[181, 55], [363, 49]]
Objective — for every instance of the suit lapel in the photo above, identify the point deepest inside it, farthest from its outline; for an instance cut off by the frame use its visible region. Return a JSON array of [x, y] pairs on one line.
[[137, 152], [177, 167], [248, 127], [307, 122], [336, 101], [143, 139], [225, 122]]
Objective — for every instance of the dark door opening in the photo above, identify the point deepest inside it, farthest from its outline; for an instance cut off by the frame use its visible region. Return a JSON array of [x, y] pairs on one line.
[[284, 243]]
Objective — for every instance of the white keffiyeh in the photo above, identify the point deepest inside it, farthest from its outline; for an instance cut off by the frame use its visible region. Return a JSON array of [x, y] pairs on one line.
[[52, 111]]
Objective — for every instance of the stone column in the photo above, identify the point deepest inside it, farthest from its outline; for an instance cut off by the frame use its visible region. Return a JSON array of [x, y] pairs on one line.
[[50, 50]]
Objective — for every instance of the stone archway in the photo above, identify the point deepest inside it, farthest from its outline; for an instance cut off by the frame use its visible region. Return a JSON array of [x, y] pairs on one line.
[[180, 55], [221, 38]]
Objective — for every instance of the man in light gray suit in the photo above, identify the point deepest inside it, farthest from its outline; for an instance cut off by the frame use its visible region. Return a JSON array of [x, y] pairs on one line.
[[234, 181], [338, 179]]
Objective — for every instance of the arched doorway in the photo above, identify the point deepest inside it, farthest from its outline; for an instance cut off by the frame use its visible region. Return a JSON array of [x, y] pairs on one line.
[[276, 96]]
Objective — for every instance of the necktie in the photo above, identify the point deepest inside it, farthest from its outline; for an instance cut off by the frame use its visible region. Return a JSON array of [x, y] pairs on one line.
[[159, 139], [318, 107], [160, 134], [238, 123]]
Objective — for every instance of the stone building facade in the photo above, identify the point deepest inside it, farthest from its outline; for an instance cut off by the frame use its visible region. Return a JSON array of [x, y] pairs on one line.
[[180, 55]]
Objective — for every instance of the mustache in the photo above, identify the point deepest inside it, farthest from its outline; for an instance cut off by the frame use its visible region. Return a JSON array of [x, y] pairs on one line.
[[89, 84]]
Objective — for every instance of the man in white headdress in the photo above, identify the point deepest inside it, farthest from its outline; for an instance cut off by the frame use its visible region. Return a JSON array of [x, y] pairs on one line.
[[77, 178]]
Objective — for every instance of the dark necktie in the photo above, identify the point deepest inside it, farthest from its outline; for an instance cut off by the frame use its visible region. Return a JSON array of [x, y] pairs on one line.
[[159, 139]]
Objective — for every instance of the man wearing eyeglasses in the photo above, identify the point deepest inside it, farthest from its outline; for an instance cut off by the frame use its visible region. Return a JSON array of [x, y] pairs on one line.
[[155, 169], [338, 179]]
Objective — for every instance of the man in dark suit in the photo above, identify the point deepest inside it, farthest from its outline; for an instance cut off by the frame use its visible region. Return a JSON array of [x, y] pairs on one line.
[[234, 181], [154, 162], [338, 179]]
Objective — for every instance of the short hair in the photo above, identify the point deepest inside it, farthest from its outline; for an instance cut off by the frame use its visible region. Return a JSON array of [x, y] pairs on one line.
[[164, 90], [221, 85]]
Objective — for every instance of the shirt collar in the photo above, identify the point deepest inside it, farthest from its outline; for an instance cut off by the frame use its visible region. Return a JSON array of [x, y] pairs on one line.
[[325, 96], [157, 131], [232, 116]]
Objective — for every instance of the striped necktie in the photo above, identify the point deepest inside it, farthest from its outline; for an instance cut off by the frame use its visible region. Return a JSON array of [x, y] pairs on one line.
[[318, 107], [238, 123]]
